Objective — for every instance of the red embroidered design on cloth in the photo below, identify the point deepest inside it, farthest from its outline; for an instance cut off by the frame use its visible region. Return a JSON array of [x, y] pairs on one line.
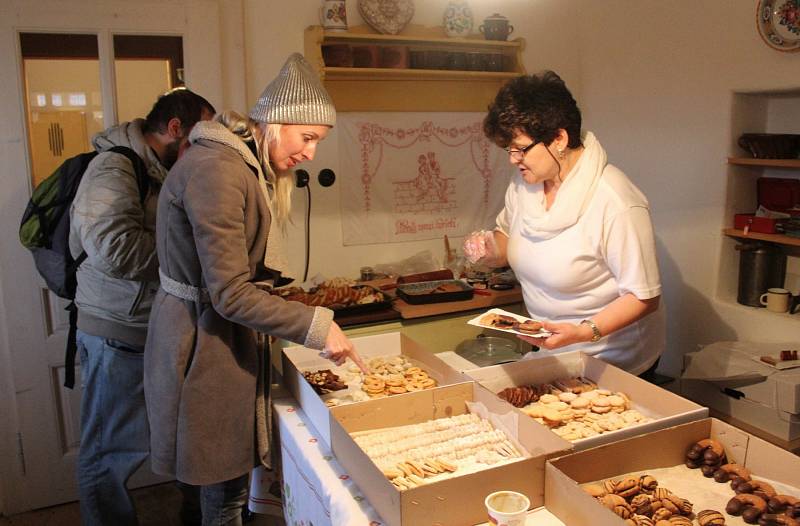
[[429, 191]]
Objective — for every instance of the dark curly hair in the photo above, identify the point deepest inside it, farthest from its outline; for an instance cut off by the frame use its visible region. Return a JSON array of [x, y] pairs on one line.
[[537, 105]]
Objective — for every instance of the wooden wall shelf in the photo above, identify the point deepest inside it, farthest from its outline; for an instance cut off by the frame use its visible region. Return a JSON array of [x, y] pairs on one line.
[[765, 163], [390, 89], [772, 238]]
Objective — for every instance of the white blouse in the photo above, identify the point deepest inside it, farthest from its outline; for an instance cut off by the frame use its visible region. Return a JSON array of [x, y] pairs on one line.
[[575, 273]]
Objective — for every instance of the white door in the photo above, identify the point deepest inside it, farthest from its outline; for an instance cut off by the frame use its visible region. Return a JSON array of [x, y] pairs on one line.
[[39, 420]]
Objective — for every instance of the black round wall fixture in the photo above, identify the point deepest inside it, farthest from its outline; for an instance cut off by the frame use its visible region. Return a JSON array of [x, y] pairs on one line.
[[326, 177]]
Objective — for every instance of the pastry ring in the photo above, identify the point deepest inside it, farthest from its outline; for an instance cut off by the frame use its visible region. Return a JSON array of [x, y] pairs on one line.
[[427, 383]]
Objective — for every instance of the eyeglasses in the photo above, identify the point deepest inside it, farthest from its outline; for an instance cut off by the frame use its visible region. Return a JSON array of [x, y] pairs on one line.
[[519, 154]]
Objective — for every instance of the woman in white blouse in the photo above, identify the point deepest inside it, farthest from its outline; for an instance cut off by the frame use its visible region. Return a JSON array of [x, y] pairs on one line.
[[575, 230]]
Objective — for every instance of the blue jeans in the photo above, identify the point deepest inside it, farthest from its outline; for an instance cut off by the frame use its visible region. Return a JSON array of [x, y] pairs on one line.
[[219, 504], [115, 436]]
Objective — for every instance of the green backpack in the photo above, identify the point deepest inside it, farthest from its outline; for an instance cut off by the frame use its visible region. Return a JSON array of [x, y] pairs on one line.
[[44, 231]]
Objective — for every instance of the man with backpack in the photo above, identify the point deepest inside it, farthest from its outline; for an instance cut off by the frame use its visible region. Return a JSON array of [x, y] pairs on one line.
[[113, 222]]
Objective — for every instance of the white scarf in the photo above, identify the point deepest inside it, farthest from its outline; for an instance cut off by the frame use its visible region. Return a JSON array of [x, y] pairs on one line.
[[275, 257], [574, 195]]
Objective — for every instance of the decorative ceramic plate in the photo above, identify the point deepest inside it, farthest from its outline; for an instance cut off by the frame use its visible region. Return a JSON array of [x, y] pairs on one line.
[[386, 16], [778, 23]]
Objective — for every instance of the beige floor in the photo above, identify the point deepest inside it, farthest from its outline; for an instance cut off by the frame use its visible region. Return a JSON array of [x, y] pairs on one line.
[[156, 505]]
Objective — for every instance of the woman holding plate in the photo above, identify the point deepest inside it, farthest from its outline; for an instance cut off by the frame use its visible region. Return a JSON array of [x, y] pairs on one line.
[[575, 230]]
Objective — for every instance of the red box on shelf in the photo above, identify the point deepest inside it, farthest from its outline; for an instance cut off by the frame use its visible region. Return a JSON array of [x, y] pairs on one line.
[[773, 193], [764, 225]]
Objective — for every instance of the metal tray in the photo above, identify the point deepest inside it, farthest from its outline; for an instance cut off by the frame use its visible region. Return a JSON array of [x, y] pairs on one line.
[[426, 291]]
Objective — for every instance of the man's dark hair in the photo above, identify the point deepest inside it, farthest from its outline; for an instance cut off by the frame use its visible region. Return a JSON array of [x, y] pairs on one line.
[[536, 105], [181, 103]]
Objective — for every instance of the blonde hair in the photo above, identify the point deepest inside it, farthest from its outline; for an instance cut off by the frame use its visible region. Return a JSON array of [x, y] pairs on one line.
[[282, 182]]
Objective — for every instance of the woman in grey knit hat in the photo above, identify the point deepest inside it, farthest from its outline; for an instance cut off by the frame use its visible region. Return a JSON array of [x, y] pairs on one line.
[[206, 378]]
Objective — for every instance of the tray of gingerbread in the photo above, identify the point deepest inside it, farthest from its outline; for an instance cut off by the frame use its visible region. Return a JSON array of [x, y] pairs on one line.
[[435, 291], [501, 320], [341, 295]]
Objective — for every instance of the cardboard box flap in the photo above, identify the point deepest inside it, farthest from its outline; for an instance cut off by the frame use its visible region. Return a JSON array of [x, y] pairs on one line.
[[395, 411], [638, 453], [381, 493], [564, 499], [768, 461], [734, 440]]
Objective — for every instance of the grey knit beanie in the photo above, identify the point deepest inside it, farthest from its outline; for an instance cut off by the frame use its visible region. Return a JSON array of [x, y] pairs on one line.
[[295, 96]]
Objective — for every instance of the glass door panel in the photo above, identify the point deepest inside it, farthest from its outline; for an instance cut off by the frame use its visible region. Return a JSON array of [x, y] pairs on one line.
[[63, 98], [145, 66]]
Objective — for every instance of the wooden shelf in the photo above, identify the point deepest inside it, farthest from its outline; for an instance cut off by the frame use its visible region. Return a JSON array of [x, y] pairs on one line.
[[772, 238], [355, 37], [389, 89], [765, 163], [420, 75]]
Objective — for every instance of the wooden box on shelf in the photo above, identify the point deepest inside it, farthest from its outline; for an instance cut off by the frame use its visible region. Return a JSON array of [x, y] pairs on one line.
[[435, 73]]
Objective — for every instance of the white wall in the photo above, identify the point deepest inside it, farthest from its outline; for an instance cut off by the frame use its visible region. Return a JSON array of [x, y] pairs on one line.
[[277, 29], [657, 83]]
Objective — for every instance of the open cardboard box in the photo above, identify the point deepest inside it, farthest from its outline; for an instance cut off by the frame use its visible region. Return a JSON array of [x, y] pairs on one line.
[[451, 501], [660, 449], [666, 408], [298, 359]]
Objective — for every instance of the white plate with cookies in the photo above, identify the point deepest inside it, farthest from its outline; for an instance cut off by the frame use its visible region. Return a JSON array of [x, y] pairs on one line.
[[502, 320]]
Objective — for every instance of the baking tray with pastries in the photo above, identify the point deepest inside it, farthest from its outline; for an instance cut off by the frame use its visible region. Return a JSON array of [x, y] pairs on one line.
[[707, 490], [342, 295], [786, 359], [388, 376], [575, 408], [417, 454]]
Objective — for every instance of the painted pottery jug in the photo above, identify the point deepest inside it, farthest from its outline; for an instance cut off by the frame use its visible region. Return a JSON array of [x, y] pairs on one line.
[[457, 19], [496, 27], [333, 15]]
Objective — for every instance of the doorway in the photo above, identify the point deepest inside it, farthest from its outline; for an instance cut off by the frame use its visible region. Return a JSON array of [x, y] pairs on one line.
[[69, 69]]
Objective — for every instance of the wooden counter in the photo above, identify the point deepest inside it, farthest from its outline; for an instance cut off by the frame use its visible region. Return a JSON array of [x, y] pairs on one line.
[[494, 298]]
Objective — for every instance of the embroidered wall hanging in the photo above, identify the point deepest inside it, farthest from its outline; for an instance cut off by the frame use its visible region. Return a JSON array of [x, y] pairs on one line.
[[416, 176]]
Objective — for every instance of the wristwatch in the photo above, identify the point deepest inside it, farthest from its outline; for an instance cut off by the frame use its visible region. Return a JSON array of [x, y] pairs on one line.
[[595, 331]]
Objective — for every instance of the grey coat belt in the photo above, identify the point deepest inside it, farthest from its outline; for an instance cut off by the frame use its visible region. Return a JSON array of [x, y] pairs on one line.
[[183, 290]]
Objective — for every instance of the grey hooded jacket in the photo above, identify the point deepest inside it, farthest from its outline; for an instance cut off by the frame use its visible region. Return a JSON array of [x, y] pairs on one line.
[[118, 279]]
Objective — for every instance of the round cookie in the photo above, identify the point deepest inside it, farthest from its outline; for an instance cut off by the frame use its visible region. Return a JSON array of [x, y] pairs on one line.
[[567, 396], [580, 403]]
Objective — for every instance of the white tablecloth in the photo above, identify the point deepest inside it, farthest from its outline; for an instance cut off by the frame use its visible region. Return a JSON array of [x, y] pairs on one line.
[[317, 489]]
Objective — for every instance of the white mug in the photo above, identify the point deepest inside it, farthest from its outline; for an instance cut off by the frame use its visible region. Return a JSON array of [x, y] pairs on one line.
[[333, 15], [776, 300], [507, 508]]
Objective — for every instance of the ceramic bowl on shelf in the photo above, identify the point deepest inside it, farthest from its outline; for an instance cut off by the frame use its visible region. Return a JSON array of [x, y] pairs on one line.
[[366, 56], [337, 55]]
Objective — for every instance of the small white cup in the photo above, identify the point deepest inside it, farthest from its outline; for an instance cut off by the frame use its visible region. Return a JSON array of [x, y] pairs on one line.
[[776, 300], [507, 508]]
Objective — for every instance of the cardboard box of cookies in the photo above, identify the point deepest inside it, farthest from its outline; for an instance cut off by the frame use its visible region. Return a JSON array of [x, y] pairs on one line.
[[599, 486], [390, 355], [420, 422], [585, 400]]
